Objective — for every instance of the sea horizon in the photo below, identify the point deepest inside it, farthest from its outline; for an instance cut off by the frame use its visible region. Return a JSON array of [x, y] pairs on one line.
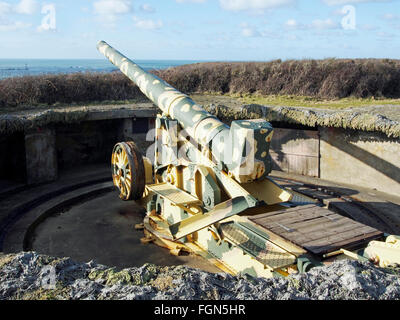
[[27, 67]]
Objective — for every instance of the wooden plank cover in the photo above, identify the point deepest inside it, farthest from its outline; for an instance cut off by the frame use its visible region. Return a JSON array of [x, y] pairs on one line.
[[295, 151], [316, 229]]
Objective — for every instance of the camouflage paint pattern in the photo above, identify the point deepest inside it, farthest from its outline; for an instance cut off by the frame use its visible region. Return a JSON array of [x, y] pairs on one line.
[[255, 245], [219, 212], [198, 156], [227, 145], [250, 158], [172, 102]]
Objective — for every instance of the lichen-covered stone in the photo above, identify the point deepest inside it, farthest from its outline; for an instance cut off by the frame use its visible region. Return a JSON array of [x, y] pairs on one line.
[[385, 119], [110, 277], [379, 118], [24, 276], [4, 259]]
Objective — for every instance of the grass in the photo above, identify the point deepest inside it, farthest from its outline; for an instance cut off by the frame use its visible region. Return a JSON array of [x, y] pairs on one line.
[[46, 106], [313, 102]]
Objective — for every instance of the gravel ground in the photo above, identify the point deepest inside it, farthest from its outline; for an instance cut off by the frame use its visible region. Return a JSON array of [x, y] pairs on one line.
[[29, 276]]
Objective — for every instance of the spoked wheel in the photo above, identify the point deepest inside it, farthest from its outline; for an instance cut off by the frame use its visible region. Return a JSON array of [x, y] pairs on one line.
[[128, 170]]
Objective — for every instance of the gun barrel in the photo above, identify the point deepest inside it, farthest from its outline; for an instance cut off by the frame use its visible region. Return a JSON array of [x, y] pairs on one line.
[[198, 122], [228, 146]]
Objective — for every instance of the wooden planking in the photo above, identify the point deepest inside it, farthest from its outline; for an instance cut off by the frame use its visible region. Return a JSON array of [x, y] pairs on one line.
[[346, 234], [314, 228], [297, 214], [319, 231], [295, 151], [297, 220], [283, 211], [345, 243]]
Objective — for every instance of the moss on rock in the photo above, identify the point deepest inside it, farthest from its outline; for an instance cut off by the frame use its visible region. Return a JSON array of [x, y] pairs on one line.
[[110, 276], [5, 259], [59, 293], [365, 119]]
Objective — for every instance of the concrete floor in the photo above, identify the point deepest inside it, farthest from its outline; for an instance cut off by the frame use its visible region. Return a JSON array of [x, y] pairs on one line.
[[102, 229]]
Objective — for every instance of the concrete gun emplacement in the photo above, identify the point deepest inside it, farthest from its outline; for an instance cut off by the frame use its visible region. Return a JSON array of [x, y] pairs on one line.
[[207, 190]]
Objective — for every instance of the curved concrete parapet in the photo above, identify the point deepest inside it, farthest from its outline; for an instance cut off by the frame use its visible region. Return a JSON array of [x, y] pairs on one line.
[[380, 118], [82, 217], [356, 146]]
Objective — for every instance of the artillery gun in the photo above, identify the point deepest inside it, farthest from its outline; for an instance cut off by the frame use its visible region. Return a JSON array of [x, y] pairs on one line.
[[207, 190]]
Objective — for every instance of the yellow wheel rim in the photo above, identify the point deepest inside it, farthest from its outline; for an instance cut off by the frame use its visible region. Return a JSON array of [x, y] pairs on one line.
[[128, 170]]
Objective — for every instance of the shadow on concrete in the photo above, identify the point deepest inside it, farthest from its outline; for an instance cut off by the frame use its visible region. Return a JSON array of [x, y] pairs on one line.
[[379, 164], [103, 229]]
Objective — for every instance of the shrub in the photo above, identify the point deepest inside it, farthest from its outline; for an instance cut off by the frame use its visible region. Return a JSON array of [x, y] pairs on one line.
[[329, 79]]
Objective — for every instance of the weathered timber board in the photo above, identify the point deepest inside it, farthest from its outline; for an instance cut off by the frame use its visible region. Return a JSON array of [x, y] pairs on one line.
[[316, 229], [295, 151]]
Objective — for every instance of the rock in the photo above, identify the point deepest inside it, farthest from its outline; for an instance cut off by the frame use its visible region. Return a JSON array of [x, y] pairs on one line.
[[32, 276]]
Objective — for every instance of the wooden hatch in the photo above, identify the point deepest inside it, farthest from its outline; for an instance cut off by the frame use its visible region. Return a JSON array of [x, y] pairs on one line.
[[316, 229]]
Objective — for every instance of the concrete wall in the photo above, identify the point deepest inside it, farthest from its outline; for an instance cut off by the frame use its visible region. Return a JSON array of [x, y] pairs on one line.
[[12, 157], [366, 159], [86, 142], [36, 156], [41, 157], [93, 141]]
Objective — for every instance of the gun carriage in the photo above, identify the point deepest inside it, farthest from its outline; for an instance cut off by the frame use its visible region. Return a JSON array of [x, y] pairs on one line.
[[206, 189]]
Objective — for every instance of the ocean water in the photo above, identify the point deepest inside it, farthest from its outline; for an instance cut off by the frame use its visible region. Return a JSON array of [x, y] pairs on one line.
[[23, 67]]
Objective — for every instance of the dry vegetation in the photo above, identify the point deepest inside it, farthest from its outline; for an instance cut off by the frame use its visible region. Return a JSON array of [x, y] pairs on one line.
[[328, 78], [320, 79], [66, 88]]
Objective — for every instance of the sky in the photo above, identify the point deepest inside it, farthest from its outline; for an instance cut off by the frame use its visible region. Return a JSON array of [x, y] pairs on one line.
[[217, 30]]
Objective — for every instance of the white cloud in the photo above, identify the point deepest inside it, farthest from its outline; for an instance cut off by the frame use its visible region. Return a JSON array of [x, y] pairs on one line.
[[13, 26], [390, 16], [343, 2], [109, 10], [292, 37], [147, 8], [5, 8], [318, 24], [147, 24], [385, 35], [324, 24], [23, 7], [368, 27], [292, 24], [241, 5], [27, 7], [248, 31]]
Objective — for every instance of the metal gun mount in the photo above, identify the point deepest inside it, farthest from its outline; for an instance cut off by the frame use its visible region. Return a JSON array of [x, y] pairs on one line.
[[207, 183]]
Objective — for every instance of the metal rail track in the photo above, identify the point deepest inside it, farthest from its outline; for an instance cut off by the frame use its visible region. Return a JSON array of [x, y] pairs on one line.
[[15, 214]]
